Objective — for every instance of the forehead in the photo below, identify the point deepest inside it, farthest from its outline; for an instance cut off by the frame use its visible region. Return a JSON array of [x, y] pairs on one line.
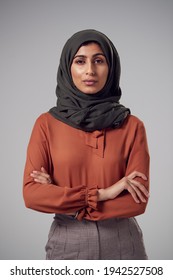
[[89, 49]]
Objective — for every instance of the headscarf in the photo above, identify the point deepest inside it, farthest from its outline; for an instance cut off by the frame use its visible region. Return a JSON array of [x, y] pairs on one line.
[[83, 111]]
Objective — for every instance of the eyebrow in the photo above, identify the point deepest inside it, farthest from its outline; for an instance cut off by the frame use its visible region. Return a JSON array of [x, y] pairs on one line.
[[84, 56]]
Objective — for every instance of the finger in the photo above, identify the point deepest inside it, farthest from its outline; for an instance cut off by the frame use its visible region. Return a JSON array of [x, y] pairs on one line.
[[41, 181], [44, 170], [137, 174], [39, 173], [133, 193], [140, 186], [38, 177], [139, 194]]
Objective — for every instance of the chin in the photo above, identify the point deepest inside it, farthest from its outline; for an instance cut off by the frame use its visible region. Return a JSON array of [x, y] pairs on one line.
[[89, 91]]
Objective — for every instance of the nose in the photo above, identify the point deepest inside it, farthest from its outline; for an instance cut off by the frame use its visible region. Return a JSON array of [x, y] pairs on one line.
[[90, 69]]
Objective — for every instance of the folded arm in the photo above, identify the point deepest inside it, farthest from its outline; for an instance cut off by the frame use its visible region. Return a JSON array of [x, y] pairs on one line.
[[48, 197]]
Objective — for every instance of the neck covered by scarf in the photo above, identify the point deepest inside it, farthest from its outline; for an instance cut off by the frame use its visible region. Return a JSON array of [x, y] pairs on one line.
[[89, 112]]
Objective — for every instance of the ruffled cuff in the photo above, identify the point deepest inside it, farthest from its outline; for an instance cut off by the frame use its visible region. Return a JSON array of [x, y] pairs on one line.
[[91, 201], [91, 197]]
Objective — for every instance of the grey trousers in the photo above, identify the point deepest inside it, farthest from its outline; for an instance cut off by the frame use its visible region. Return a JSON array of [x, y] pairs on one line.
[[112, 239]]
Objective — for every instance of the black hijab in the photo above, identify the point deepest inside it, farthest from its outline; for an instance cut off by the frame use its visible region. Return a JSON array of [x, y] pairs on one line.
[[89, 112]]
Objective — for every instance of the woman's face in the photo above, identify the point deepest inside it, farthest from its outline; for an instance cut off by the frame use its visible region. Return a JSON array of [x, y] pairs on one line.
[[89, 69]]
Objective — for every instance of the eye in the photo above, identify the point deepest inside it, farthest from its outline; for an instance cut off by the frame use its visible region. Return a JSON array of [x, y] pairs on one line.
[[98, 61], [79, 61]]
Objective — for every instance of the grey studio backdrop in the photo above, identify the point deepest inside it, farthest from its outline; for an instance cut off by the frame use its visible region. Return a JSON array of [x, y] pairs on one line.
[[32, 34]]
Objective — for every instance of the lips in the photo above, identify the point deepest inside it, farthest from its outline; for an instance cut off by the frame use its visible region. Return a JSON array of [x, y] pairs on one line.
[[90, 82]]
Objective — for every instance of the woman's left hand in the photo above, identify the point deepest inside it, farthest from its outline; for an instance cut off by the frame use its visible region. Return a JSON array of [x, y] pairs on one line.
[[41, 176]]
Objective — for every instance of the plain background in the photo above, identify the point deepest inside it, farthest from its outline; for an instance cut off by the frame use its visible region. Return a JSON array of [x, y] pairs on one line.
[[32, 35]]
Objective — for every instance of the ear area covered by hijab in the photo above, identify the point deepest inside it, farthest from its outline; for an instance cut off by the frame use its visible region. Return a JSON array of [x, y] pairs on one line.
[[89, 112]]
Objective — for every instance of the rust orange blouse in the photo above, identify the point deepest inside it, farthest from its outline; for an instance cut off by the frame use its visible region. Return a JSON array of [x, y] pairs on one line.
[[81, 162]]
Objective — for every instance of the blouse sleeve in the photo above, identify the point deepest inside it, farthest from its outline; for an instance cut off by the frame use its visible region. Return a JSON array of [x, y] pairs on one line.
[[50, 198], [123, 205]]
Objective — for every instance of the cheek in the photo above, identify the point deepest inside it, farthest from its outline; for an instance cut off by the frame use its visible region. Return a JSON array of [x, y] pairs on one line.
[[105, 75], [75, 73]]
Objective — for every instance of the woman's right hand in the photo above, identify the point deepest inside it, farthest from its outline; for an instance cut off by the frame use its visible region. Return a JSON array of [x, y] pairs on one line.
[[137, 190], [41, 176]]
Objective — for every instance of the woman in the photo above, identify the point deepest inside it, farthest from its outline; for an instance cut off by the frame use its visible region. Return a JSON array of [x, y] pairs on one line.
[[88, 160]]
